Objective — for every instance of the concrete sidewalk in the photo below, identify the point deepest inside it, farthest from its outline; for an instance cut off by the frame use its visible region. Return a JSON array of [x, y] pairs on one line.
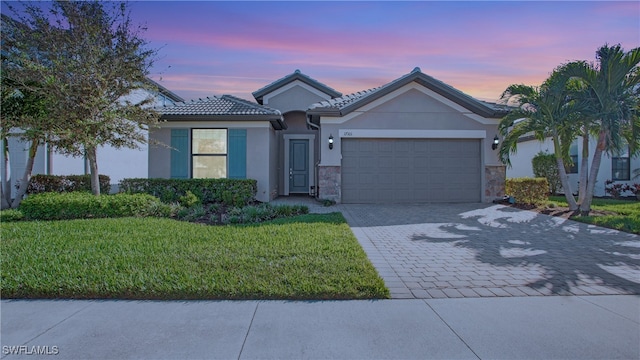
[[549, 327]]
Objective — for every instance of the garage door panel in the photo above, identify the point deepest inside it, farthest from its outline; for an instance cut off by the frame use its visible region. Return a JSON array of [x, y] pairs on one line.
[[411, 170]]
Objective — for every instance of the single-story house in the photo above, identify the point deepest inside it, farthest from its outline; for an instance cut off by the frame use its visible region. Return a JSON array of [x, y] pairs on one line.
[[414, 139], [116, 163], [619, 169]]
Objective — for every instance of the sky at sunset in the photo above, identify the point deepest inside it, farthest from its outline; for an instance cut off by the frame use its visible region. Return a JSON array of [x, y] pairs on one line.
[[214, 47]]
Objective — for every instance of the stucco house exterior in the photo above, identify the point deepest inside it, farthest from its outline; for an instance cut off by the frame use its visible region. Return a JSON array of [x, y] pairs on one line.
[[616, 168], [268, 140], [414, 139], [218, 137]]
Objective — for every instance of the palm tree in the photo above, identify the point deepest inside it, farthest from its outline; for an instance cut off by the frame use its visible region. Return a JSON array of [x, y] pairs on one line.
[[545, 111], [612, 99]]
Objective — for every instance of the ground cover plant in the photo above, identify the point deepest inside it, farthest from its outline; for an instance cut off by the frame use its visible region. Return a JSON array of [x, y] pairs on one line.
[[623, 215], [303, 257]]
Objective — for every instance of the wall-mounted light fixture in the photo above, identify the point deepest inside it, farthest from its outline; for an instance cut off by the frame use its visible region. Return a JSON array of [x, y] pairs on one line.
[[496, 141], [331, 142]]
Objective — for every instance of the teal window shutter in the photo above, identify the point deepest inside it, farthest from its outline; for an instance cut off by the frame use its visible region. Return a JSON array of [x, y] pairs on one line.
[[237, 154], [180, 153]]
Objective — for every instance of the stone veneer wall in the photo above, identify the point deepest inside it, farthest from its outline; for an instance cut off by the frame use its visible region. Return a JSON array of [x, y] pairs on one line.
[[329, 180], [495, 177]]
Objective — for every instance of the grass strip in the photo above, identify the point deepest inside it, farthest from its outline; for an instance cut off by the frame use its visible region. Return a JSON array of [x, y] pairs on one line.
[[304, 257], [625, 214]]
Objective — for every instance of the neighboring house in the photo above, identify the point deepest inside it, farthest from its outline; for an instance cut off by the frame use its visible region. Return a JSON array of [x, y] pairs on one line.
[[116, 163], [617, 168], [414, 139]]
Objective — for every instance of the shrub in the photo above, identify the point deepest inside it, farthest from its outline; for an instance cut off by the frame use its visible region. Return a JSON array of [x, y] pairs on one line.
[[634, 188], [546, 166], [194, 213], [263, 212], [328, 202], [11, 215], [231, 192], [189, 199], [531, 191], [82, 205], [66, 183], [616, 189]]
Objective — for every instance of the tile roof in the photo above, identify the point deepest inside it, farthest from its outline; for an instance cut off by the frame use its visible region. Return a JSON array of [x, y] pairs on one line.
[[345, 104], [223, 105], [222, 108], [296, 75], [344, 101]]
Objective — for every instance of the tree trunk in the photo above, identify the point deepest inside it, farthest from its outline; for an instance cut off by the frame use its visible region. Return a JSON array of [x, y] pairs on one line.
[[24, 182], [584, 167], [93, 167], [566, 186], [5, 187], [564, 179], [585, 206]]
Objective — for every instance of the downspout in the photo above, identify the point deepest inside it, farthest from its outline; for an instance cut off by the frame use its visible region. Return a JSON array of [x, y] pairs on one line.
[[310, 124]]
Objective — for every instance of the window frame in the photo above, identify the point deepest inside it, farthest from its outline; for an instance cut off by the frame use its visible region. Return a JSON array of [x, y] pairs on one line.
[[625, 169], [194, 155]]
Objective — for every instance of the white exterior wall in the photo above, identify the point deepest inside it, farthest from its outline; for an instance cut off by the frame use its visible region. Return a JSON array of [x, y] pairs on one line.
[[521, 164], [18, 156]]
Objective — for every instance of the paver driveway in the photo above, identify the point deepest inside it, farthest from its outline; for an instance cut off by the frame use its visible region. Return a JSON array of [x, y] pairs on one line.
[[487, 250]]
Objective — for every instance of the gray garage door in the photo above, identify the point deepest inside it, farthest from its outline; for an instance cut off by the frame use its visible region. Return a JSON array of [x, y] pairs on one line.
[[410, 170]]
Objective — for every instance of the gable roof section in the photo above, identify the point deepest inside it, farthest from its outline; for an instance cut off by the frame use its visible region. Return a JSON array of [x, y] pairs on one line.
[[348, 103], [222, 108], [296, 75], [166, 92]]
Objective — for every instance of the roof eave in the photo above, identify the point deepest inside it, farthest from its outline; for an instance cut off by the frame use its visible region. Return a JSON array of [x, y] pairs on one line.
[[277, 122], [432, 84], [324, 112], [204, 117]]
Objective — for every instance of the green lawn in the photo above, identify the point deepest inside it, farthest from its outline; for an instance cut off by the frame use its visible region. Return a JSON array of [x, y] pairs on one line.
[[303, 257], [626, 215]]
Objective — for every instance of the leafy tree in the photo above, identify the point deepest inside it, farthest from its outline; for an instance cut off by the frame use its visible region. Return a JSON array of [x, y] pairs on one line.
[[544, 165], [89, 57], [612, 96], [543, 112], [24, 112], [24, 116]]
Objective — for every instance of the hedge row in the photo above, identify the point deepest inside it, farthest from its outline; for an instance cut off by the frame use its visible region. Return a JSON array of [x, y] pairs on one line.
[[534, 191], [82, 205], [232, 192], [66, 183]]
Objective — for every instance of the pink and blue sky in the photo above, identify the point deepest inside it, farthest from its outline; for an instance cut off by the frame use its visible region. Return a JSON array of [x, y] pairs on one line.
[[480, 47]]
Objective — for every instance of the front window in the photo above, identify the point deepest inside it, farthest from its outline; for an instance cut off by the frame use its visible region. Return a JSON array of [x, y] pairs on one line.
[[209, 153], [620, 165]]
